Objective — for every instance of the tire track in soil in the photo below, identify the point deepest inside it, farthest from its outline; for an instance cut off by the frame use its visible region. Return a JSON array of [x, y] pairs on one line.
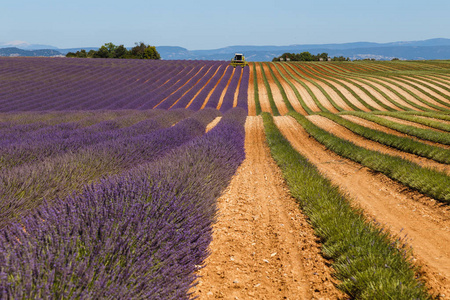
[[346, 134], [401, 210], [263, 246]]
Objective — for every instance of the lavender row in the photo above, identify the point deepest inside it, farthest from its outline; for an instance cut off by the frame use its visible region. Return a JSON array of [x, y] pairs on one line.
[[213, 101], [43, 84], [243, 90], [137, 236], [201, 97], [22, 188], [228, 99], [51, 126], [60, 139]]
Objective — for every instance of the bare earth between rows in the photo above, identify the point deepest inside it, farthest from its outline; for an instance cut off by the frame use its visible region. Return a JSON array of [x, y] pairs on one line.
[[402, 211], [263, 246]]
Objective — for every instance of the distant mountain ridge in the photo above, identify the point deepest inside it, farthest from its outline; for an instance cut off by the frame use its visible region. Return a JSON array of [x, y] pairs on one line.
[[438, 48]]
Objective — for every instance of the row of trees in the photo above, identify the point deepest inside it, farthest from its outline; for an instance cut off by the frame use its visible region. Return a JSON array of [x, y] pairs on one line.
[[306, 56], [109, 50]]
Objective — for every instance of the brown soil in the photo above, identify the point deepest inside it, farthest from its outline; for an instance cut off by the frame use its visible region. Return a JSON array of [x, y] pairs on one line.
[[276, 94], [402, 92], [225, 89], [376, 126], [426, 89], [420, 94], [362, 94], [213, 124], [236, 93], [348, 135], [409, 123], [290, 92], [348, 95], [316, 91], [251, 93], [263, 246], [309, 101], [263, 97], [212, 90], [195, 96], [389, 93], [433, 83], [376, 94], [336, 98], [401, 210]]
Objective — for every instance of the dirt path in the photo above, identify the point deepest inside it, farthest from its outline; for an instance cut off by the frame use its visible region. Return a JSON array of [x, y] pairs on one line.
[[352, 99], [263, 247], [262, 91], [348, 135], [290, 92], [362, 94], [387, 92], [401, 92], [401, 210], [276, 93], [418, 93], [251, 93], [379, 127], [336, 98]]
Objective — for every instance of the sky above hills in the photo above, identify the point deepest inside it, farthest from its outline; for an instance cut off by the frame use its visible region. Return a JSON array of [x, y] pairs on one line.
[[206, 24]]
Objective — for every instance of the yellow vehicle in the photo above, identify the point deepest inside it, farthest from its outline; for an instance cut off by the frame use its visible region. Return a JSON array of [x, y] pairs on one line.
[[238, 60]]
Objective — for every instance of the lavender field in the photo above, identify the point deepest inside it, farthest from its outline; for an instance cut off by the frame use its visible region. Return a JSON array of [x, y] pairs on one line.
[[109, 178]]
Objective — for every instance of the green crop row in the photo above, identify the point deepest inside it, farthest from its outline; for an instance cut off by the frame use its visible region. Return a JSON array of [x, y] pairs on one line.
[[274, 108], [419, 120], [280, 87], [402, 143], [425, 134], [256, 92], [369, 264], [432, 114], [427, 181]]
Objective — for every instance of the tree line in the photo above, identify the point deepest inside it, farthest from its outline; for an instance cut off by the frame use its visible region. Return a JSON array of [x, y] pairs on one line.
[[109, 50], [306, 56]]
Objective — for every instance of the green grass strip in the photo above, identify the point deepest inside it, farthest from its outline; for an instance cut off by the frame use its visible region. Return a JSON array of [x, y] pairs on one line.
[[350, 90], [369, 264], [312, 71], [310, 92], [297, 94], [432, 114], [274, 108], [256, 92], [402, 143], [424, 134], [321, 89], [427, 181], [280, 87], [419, 120]]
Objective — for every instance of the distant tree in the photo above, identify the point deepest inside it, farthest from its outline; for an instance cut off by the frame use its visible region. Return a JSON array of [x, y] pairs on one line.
[[109, 50], [395, 58]]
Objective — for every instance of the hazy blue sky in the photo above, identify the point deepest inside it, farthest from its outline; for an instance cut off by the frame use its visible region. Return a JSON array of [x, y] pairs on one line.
[[207, 24]]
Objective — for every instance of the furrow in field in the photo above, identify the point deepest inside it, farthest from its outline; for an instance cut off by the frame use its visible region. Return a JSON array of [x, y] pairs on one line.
[[277, 97], [289, 91], [419, 93], [373, 125], [410, 123], [263, 246], [262, 91], [434, 84], [315, 90], [225, 90], [400, 210], [236, 93], [388, 92], [251, 93], [362, 94], [344, 133], [212, 90], [201, 89], [341, 88], [402, 92]]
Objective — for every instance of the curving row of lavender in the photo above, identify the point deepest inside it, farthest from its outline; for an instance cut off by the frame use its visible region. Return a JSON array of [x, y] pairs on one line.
[[140, 234], [49, 84]]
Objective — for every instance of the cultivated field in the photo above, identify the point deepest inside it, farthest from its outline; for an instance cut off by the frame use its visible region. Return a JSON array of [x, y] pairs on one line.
[[175, 179]]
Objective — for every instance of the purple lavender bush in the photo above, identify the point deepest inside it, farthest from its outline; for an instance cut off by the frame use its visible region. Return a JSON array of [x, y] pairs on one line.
[[140, 235]]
